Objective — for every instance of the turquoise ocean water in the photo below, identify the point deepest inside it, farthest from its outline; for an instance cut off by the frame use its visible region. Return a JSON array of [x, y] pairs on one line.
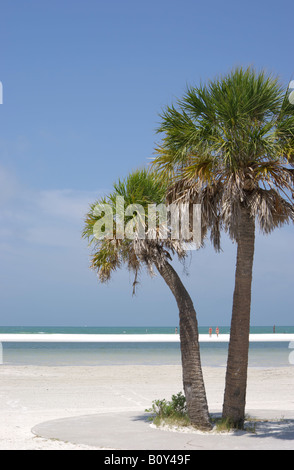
[[92, 354]]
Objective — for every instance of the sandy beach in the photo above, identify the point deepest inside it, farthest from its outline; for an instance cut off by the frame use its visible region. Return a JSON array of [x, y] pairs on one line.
[[30, 395]]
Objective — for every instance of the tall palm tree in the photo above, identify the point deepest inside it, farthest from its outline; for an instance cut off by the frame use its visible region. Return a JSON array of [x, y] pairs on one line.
[[233, 140], [111, 252]]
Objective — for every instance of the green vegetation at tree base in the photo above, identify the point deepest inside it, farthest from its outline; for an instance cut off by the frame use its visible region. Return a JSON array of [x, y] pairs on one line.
[[174, 413]]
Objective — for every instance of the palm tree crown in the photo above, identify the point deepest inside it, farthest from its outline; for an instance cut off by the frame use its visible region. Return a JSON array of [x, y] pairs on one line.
[[140, 188], [233, 138]]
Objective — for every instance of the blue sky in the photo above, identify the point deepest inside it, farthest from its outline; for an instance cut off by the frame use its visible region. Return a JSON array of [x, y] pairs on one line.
[[83, 85]]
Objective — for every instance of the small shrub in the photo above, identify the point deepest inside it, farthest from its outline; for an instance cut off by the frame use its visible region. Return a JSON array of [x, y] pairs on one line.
[[178, 403], [172, 412]]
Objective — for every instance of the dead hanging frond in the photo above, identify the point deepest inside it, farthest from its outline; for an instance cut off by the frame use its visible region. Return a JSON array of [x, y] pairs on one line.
[[266, 206], [135, 282], [270, 209], [182, 194]]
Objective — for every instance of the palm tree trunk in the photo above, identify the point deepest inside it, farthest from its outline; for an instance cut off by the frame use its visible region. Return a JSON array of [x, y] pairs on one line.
[[191, 364], [237, 365]]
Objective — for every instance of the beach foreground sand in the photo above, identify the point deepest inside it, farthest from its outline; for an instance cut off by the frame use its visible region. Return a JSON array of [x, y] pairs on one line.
[[30, 395]]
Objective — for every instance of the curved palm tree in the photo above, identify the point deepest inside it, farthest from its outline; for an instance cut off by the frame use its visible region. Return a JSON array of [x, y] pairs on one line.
[[111, 252], [228, 145]]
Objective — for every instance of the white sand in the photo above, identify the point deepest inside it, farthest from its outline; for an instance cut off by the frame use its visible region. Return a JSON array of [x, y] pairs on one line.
[[30, 395]]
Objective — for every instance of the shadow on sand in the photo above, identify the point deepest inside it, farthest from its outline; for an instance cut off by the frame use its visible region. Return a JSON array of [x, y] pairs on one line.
[[282, 429]]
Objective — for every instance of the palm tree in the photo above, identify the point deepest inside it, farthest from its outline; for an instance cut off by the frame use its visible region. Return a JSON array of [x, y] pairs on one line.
[[232, 140], [109, 253]]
